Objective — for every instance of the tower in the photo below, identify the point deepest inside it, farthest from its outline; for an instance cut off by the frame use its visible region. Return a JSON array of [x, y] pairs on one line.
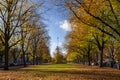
[[57, 47]]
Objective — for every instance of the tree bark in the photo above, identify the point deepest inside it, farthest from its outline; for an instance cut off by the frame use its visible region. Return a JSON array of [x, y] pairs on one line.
[[24, 60], [101, 58], [6, 51], [33, 57], [89, 62]]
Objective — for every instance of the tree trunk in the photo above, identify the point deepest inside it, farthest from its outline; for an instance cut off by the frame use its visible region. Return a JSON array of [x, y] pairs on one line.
[[89, 62], [97, 57], [24, 60], [101, 58], [7, 37], [36, 60], [33, 57], [14, 56], [6, 51], [112, 63]]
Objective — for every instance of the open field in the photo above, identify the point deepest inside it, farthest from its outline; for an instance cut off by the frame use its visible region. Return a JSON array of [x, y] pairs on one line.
[[61, 72]]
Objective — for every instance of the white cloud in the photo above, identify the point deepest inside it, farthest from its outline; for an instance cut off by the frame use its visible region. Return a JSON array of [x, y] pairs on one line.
[[66, 25]]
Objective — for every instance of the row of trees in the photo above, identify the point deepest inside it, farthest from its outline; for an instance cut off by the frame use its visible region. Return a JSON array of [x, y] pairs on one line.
[[95, 34], [23, 36]]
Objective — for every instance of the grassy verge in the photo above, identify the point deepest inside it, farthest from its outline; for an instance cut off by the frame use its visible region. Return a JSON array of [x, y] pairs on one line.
[[61, 72]]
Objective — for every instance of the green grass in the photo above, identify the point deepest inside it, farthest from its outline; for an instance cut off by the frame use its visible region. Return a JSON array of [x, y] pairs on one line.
[[61, 72], [54, 67]]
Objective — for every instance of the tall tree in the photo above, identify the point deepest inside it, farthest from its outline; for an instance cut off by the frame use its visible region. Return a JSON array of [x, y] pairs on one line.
[[103, 12], [80, 40], [58, 57], [12, 12], [39, 41]]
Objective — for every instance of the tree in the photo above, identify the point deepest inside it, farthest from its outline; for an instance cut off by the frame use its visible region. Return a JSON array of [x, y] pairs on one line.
[[103, 12], [74, 57], [80, 41], [28, 29], [113, 48], [58, 57], [100, 39], [39, 43], [11, 14]]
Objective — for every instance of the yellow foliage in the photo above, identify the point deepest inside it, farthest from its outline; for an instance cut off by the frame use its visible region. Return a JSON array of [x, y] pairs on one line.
[[117, 57], [72, 56]]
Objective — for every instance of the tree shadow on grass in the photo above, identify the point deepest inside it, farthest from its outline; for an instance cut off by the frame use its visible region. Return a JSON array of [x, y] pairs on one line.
[[89, 73]]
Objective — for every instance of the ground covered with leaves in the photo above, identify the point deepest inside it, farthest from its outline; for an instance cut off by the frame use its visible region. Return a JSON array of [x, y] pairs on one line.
[[60, 72]]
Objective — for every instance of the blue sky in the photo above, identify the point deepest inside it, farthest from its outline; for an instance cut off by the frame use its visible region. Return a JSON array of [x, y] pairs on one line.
[[57, 21]]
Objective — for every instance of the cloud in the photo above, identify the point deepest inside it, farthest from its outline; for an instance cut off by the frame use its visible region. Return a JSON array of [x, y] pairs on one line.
[[66, 25]]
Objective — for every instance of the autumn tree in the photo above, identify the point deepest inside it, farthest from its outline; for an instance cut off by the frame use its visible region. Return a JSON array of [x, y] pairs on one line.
[[27, 29], [101, 14], [100, 40], [113, 49], [58, 57], [44, 51], [39, 42], [80, 41], [12, 13]]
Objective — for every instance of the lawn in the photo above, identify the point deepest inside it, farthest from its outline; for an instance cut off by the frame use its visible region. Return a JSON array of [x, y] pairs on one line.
[[61, 72]]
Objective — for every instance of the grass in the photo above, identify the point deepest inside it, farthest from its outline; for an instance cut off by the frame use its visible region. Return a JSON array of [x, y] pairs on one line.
[[61, 72]]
